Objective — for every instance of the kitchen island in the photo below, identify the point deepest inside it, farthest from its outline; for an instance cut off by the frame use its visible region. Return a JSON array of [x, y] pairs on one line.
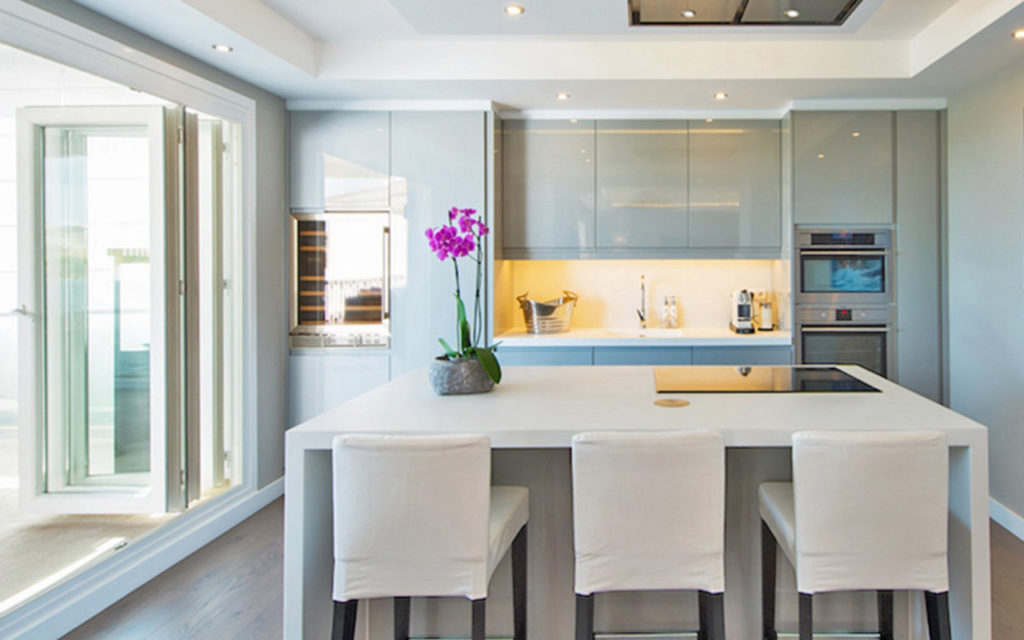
[[531, 417]]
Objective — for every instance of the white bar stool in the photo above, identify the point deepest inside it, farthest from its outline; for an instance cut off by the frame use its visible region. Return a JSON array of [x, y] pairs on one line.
[[649, 513], [865, 511], [417, 516]]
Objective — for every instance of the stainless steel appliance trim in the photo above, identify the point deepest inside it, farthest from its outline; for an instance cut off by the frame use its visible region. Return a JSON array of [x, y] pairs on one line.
[[816, 251]]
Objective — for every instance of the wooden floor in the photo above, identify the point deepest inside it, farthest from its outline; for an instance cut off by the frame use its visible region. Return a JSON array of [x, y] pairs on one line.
[[232, 589]]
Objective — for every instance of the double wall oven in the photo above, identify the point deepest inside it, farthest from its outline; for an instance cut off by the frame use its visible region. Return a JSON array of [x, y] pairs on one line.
[[844, 299]]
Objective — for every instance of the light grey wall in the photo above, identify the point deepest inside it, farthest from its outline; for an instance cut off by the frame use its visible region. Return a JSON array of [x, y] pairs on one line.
[[271, 229], [986, 269]]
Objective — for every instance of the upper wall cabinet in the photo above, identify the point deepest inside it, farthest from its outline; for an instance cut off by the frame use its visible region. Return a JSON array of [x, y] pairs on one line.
[[735, 184], [339, 160], [548, 185], [843, 167], [642, 189], [641, 184]]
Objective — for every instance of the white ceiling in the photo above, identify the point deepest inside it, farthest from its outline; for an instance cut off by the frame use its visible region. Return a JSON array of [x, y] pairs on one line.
[[362, 52]]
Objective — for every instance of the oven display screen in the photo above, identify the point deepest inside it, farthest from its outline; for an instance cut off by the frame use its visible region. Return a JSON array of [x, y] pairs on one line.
[[843, 274]]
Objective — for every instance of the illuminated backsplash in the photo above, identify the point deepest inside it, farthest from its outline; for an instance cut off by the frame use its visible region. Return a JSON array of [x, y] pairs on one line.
[[609, 290]]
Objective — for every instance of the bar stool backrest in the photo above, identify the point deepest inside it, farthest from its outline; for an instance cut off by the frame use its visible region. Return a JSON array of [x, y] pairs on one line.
[[649, 511], [871, 510], [410, 515]]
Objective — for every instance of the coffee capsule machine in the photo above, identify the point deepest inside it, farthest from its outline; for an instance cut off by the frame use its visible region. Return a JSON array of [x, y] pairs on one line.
[[742, 311]]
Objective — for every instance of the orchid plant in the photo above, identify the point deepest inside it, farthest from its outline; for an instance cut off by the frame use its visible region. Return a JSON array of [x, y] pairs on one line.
[[462, 237]]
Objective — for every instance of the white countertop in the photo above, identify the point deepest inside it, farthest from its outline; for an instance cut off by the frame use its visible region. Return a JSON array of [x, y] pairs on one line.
[[684, 337], [543, 407]]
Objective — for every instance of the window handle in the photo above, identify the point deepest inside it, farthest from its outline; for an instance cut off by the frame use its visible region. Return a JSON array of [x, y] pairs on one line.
[[22, 311]]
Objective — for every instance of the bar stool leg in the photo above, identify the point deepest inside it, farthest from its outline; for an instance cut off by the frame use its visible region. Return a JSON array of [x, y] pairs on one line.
[[519, 584], [768, 550], [806, 616], [712, 615], [479, 619], [584, 617], [937, 606], [885, 614], [402, 606], [344, 624]]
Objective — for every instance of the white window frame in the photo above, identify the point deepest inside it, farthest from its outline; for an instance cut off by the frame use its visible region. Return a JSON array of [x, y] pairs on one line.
[[68, 604]]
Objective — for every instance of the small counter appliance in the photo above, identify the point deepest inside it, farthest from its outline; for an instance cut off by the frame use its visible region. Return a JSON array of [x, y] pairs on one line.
[[742, 311]]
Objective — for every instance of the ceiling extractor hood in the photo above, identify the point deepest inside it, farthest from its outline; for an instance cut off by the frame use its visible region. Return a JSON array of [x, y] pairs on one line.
[[702, 13]]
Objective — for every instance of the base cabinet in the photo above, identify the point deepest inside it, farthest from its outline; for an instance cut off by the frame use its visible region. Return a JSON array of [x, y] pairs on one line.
[[743, 355], [320, 381], [643, 355], [650, 356], [541, 356]]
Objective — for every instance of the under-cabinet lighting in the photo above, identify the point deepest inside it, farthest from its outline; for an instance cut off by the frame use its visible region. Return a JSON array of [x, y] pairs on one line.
[[792, 13], [721, 95], [562, 95], [223, 48], [1018, 34], [689, 13], [514, 10]]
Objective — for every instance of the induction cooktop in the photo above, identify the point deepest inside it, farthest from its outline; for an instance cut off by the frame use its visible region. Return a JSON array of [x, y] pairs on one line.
[[757, 380]]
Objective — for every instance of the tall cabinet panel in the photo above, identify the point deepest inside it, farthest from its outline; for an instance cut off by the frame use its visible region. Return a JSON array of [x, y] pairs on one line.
[[735, 183], [641, 184], [339, 160], [918, 245], [548, 190], [423, 189], [843, 167]]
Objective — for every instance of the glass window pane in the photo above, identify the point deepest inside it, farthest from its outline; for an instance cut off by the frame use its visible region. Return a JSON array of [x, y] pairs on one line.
[[96, 237]]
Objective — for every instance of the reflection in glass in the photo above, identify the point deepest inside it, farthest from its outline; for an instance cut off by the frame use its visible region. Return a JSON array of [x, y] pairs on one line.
[[96, 234]]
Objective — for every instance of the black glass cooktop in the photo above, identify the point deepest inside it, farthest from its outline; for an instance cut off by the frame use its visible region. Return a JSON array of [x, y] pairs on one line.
[[757, 380]]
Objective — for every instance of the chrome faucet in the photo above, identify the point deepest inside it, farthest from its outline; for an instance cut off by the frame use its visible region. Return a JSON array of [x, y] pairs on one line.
[[642, 311]]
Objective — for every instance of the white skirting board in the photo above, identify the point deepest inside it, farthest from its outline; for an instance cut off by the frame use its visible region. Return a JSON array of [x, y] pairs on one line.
[[69, 604], [1006, 517]]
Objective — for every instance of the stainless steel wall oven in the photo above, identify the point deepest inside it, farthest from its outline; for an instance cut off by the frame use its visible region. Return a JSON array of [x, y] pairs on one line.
[[843, 266], [835, 334]]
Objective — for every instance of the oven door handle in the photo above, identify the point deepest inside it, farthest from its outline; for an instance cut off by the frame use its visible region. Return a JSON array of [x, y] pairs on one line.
[[843, 252], [860, 329]]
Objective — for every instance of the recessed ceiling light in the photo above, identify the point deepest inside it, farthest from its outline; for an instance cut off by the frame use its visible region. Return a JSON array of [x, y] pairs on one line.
[[1018, 34], [709, 120], [562, 95], [855, 134], [223, 48], [574, 120], [791, 13], [721, 95], [514, 10], [821, 155], [689, 13]]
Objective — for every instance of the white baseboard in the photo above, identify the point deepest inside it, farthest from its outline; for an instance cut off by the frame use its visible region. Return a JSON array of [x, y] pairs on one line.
[[69, 604], [1006, 517]]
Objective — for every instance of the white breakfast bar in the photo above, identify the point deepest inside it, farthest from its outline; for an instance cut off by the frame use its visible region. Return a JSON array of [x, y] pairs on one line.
[[531, 417]]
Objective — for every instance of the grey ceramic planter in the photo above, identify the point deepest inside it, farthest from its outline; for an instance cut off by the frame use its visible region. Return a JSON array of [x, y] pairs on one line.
[[459, 377]]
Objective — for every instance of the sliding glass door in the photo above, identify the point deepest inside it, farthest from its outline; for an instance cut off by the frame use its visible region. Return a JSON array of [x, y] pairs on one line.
[[99, 211]]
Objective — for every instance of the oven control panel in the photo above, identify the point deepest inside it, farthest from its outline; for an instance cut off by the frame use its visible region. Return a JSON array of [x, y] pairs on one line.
[[836, 315]]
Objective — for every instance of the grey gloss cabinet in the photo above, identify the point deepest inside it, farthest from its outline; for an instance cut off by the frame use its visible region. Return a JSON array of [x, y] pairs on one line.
[[641, 184], [422, 190], [545, 356], [548, 184], [641, 355], [735, 184], [843, 167], [743, 355], [351, 147]]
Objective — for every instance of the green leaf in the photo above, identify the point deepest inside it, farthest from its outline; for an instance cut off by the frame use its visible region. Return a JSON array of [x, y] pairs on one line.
[[489, 362], [447, 349], [464, 340]]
